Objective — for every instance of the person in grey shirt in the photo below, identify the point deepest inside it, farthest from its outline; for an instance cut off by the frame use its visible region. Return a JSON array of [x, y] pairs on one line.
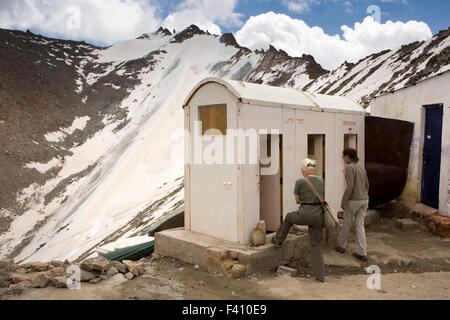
[[355, 203], [310, 213]]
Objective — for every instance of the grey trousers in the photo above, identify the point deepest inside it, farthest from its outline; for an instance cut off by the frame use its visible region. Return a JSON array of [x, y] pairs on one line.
[[315, 224], [355, 210]]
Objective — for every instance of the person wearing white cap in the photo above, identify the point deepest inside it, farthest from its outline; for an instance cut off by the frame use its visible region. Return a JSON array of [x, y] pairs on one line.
[[309, 213]]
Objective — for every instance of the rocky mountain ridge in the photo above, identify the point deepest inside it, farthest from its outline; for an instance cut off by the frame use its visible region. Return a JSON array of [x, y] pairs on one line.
[[387, 71]]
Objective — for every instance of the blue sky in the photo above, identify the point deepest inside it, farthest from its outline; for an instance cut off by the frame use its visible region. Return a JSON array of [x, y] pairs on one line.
[[316, 27], [331, 15]]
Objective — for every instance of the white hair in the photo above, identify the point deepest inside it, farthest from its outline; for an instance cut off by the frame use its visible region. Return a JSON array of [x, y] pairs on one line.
[[309, 166]]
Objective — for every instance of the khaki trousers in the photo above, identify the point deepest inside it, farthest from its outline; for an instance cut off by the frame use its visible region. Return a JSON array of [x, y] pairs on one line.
[[355, 210], [316, 225]]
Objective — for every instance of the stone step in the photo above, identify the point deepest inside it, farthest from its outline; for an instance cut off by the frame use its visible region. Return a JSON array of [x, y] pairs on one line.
[[407, 224], [281, 270]]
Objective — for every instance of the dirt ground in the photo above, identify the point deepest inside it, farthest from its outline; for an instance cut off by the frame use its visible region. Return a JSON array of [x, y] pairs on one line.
[[414, 265]]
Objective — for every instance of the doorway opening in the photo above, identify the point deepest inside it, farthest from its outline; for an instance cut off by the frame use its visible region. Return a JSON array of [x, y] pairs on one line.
[[271, 183], [432, 151], [316, 151]]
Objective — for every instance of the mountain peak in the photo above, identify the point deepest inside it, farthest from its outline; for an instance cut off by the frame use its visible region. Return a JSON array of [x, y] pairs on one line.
[[229, 39], [188, 33], [161, 31]]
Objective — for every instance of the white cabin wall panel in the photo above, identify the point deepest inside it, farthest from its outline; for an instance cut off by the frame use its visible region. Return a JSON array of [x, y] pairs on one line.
[[187, 169], [213, 188], [250, 198], [302, 128], [289, 161], [259, 117], [347, 124], [444, 190], [325, 123], [302, 120], [214, 201]]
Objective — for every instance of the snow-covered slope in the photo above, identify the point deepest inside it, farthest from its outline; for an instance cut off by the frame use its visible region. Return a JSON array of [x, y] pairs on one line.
[[128, 171]]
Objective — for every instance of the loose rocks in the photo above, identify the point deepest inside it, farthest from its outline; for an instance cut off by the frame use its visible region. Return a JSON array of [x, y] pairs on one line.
[[238, 271], [129, 276], [119, 266], [19, 288], [59, 282], [99, 264], [4, 279], [7, 265], [57, 264], [96, 280], [112, 272], [40, 281], [56, 272], [4, 292], [36, 266], [18, 278], [87, 276], [136, 269]]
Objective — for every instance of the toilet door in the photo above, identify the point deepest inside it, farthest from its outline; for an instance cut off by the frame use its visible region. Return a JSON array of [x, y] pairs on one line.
[[432, 151], [271, 181]]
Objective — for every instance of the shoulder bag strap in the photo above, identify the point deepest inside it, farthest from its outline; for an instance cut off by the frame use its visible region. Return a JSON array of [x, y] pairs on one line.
[[314, 190]]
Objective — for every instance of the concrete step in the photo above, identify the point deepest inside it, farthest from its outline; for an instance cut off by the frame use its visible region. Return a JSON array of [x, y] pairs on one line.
[[435, 221], [281, 270], [407, 224]]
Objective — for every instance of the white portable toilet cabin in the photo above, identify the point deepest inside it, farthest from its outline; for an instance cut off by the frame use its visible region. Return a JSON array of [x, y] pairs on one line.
[[225, 197]]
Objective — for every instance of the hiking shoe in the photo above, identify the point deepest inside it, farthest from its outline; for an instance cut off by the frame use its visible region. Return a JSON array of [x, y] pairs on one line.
[[362, 258], [339, 249], [276, 243]]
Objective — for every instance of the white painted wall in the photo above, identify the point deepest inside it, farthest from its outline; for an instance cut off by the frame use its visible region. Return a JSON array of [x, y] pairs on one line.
[[347, 124], [407, 104], [213, 205], [334, 126]]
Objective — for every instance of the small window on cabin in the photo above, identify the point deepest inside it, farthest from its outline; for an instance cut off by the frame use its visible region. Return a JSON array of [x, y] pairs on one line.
[[351, 141], [213, 117]]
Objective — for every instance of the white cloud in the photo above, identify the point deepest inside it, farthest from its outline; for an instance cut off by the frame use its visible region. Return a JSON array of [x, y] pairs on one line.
[[296, 37], [402, 1], [100, 21], [206, 14], [110, 21], [302, 6], [299, 6]]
